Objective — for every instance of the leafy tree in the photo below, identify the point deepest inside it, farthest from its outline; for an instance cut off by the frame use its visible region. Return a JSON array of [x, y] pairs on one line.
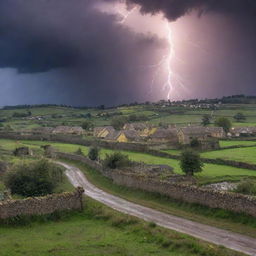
[[223, 122], [116, 160], [190, 162], [239, 117], [94, 153], [38, 178], [118, 122], [206, 120], [87, 125]]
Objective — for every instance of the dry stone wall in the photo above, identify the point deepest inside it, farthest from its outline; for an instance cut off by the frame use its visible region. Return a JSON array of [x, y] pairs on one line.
[[214, 199], [42, 205]]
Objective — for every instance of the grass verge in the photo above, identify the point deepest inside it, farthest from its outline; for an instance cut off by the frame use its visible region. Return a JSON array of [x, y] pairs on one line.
[[98, 231]]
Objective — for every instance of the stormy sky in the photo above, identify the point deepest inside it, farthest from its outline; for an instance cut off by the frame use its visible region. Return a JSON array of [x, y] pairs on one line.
[[92, 52]]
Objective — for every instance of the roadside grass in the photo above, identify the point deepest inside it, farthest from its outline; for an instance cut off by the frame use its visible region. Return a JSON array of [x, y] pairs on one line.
[[98, 231], [211, 172], [215, 217], [246, 155]]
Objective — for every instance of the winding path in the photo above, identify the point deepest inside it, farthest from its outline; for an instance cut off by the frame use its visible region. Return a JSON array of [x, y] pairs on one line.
[[207, 233]]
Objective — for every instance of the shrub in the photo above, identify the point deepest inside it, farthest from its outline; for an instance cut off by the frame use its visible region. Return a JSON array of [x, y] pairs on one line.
[[190, 162], [79, 152], [87, 125], [246, 187], [36, 178], [116, 160], [239, 117], [94, 153], [206, 120]]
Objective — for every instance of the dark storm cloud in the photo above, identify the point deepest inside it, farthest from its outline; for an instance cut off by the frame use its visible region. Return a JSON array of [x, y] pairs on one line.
[[97, 56], [174, 9]]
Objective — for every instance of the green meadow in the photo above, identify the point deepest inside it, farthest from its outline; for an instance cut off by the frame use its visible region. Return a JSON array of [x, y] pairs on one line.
[[211, 173]]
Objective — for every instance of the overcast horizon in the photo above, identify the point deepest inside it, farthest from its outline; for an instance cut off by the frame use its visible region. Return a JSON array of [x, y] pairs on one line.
[[94, 52]]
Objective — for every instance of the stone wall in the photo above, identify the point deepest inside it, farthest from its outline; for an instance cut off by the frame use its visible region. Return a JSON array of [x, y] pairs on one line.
[[214, 199], [42, 205], [136, 147]]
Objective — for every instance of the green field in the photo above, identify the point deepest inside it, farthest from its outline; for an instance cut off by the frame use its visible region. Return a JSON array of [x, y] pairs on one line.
[[211, 173], [179, 115], [246, 155], [231, 143], [99, 231]]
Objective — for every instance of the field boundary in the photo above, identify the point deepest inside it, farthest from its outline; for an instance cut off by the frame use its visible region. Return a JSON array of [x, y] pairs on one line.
[[135, 147], [191, 194], [42, 205]]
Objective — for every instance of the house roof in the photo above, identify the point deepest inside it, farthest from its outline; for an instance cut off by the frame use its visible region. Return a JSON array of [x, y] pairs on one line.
[[164, 133], [200, 130], [130, 134], [113, 135], [244, 129]]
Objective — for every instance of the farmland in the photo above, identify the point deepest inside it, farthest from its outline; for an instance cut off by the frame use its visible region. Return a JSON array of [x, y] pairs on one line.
[[211, 172], [155, 114]]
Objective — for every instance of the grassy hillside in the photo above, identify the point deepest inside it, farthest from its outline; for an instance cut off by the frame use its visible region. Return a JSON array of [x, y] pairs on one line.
[[179, 115]]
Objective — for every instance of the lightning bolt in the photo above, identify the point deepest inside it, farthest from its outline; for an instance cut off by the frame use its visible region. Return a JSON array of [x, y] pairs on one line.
[[173, 80], [125, 13]]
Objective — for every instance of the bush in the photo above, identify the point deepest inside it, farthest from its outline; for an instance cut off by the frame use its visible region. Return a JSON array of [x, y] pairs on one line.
[[116, 161], [87, 125], [190, 162], [239, 117], [36, 178], [79, 152], [247, 188], [94, 153]]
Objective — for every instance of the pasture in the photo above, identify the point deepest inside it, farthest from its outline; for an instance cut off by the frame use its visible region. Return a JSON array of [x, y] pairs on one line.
[[246, 155], [211, 173], [178, 115]]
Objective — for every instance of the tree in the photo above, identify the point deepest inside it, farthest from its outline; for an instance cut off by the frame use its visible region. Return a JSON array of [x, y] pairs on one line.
[[116, 160], [190, 162], [87, 125], [94, 153], [223, 122], [239, 117], [206, 120], [38, 178], [118, 122]]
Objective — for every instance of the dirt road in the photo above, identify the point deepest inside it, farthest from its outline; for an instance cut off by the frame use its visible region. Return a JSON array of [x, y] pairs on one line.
[[210, 234]]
